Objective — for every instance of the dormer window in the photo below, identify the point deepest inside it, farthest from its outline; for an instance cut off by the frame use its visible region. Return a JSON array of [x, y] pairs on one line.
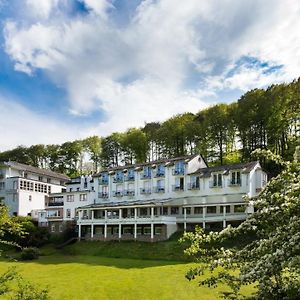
[[235, 179], [160, 172], [146, 172], [217, 181], [119, 176], [104, 178], [179, 168], [130, 175]]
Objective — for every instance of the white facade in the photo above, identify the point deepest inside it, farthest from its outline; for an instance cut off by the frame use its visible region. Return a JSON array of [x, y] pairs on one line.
[[153, 200], [61, 207], [24, 188]]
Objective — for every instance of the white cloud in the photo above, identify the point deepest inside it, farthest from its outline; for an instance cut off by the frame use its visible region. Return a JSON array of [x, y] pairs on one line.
[[23, 127], [139, 72], [41, 8]]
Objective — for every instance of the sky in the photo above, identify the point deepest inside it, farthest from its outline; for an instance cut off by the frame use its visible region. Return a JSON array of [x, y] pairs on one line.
[[75, 68]]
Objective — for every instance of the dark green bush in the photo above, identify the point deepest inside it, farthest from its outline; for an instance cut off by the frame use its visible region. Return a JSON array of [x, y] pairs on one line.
[[30, 253]]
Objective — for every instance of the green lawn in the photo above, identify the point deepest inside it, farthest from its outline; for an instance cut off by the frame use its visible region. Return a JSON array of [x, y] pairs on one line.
[[93, 277]]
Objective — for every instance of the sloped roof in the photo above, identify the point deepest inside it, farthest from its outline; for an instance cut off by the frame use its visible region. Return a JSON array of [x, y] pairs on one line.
[[154, 162], [35, 170], [245, 167]]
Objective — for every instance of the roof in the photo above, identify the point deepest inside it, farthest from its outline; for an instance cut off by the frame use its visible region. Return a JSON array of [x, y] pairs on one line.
[[39, 171], [245, 167], [154, 162]]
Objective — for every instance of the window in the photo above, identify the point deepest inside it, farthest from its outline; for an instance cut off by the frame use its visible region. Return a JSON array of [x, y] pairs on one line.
[[60, 228], [2, 185], [188, 210], [235, 178], [198, 210], [127, 230], [227, 210], [48, 180], [157, 230], [147, 230], [119, 176], [179, 184], [143, 211], [70, 198], [40, 178], [211, 209], [165, 211], [146, 172], [174, 210], [68, 213], [160, 171], [179, 168], [83, 197], [15, 197], [239, 208], [217, 180], [52, 228], [195, 182]]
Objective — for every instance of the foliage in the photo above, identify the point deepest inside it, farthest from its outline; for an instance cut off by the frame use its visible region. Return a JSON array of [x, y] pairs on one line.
[[24, 289], [30, 253], [35, 236], [223, 133], [272, 260]]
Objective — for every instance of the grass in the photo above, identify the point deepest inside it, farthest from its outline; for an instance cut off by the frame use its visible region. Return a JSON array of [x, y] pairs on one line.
[[170, 250], [92, 277], [115, 270]]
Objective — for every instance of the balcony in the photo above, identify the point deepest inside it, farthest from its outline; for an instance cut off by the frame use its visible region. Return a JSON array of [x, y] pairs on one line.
[[145, 176], [103, 181], [129, 193], [176, 172], [158, 189], [194, 186], [103, 195], [56, 203], [234, 183], [118, 179], [145, 191], [159, 175], [213, 184], [118, 194], [129, 178], [177, 188]]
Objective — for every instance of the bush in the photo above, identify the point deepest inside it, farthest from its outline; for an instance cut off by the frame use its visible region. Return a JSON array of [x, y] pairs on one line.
[[30, 253]]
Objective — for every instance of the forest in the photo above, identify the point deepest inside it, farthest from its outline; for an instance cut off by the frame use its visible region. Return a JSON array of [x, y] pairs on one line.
[[223, 133]]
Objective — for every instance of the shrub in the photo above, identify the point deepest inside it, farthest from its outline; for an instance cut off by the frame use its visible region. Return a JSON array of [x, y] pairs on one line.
[[30, 253]]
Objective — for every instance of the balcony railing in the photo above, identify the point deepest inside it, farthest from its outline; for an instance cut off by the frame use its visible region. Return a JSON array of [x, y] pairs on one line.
[[158, 189], [58, 203], [193, 186], [213, 184], [103, 195], [234, 182], [118, 194], [177, 188], [159, 174], [178, 172], [145, 191], [129, 178], [145, 176], [103, 181], [129, 193], [118, 179]]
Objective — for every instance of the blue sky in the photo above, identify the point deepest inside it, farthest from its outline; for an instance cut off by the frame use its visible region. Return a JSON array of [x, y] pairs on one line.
[[74, 68]]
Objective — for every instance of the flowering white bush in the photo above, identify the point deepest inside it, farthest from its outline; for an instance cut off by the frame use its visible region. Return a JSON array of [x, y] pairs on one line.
[[271, 260]]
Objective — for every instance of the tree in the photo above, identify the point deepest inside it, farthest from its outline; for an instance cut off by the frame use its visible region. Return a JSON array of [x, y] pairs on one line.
[[93, 145], [20, 289], [272, 259]]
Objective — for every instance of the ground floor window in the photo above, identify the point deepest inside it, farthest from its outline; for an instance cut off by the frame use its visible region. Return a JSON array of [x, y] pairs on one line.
[[147, 230], [127, 230], [198, 210], [139, 230], [239, 208], [174, 210], [211, 209], [227, 209], [158, 230]]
